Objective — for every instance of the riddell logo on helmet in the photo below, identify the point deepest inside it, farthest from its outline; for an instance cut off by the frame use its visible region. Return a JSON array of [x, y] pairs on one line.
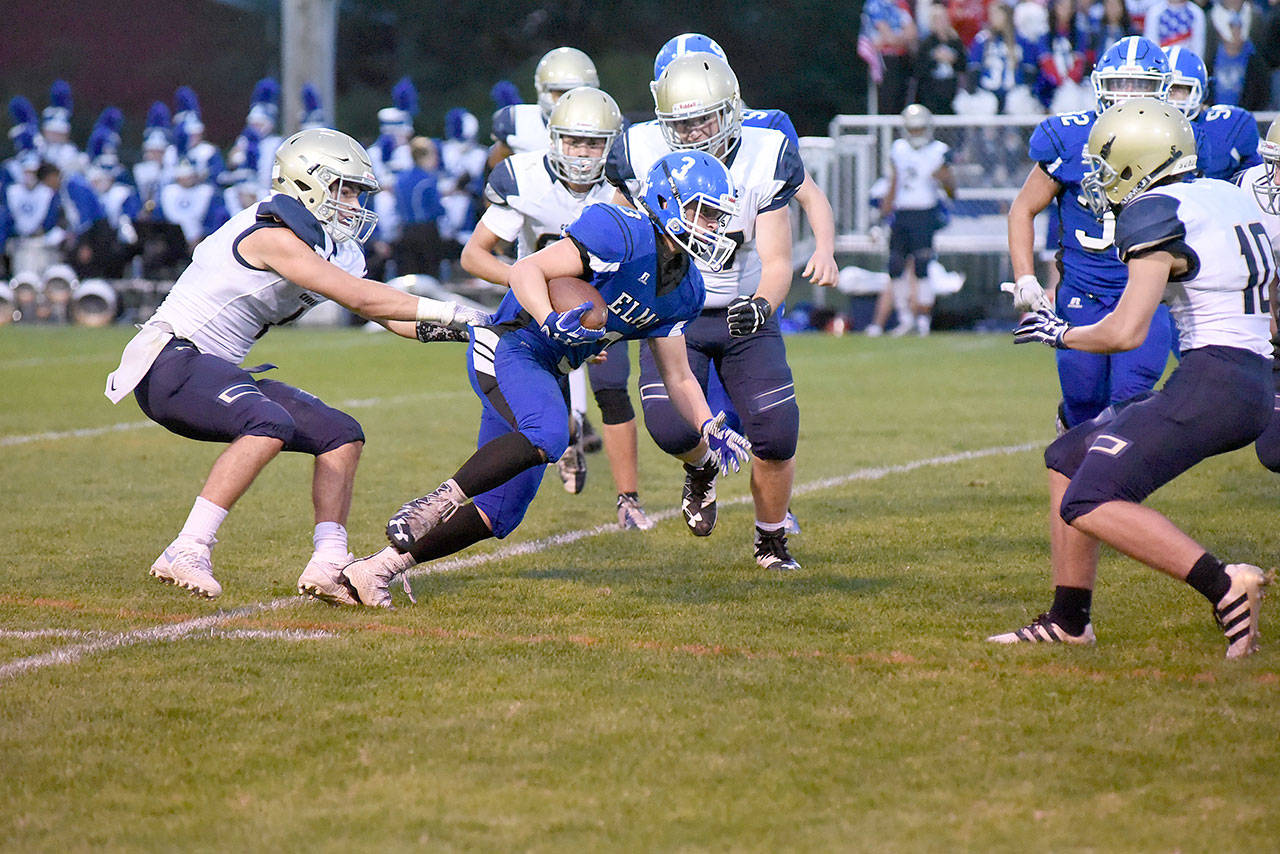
[[686, 105]]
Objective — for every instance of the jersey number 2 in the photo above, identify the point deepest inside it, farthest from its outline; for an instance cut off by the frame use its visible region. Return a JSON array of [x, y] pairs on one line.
[[1256, 249]]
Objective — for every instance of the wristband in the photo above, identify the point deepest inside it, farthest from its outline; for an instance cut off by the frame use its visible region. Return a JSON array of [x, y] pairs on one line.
[[435, 311]]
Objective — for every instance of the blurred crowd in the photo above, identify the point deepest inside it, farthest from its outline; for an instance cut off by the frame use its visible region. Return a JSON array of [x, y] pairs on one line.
[[987, 57], [71, 213]]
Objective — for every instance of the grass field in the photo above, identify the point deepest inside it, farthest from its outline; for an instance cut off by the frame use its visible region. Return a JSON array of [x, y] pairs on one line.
[[609, 690]]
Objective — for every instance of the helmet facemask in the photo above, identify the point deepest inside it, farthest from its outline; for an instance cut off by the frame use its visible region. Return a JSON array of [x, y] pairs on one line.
[[717, 140], [1116, 85], [579, 168], [345, 220], [1186, 94], [1267, 188]]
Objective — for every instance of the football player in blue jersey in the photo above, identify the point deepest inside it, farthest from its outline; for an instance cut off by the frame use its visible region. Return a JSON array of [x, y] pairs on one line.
[[1200, 245], [640, 262], [1092, 275], [1226, 135]]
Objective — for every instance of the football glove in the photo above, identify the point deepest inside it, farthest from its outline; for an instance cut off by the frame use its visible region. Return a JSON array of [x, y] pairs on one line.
[[1027, 294], [464, 317], [1042, 326], [729, 448], [567, 328], [747, 315]]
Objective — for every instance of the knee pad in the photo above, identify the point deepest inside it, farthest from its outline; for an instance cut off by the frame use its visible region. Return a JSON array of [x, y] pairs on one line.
[[615, 405], [897, 266], [775, 432]]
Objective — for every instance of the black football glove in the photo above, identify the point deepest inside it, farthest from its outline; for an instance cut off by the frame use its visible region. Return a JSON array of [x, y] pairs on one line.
[[747, 315]]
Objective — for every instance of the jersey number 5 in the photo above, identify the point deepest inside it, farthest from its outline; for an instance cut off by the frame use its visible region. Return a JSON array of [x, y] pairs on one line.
[[1256, 249]]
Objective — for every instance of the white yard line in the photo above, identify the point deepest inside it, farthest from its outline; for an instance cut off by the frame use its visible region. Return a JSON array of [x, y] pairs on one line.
[[208, 626], [87, 432]]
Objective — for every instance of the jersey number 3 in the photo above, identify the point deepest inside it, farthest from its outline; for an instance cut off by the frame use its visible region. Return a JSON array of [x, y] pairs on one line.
[[1256, 249]]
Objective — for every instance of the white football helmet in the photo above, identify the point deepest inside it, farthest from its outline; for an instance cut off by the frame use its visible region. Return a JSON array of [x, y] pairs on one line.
[[1132, 147], [560, 70], [1267, 188], [695, 90], [585, 112], [917, 120], [313, 166]]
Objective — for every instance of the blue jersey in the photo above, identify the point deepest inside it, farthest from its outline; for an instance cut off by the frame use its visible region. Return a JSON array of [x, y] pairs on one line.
[[776, 119], [649, 292], [1226, 140], [1088, 247]]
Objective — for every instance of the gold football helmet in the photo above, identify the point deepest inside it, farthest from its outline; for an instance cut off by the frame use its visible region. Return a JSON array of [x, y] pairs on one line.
[[1267, 188], [560, 70], [698, 105], [581, 115], [1132, 146], [313, 166], [917, 120]]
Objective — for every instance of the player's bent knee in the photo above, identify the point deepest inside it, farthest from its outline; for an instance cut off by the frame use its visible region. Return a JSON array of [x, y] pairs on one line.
[[673, 438], [337, 429], [267, 418], [615, 406], [774, 437], [1268, 450]]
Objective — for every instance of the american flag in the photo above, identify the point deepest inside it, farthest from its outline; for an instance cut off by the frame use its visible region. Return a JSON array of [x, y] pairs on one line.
[[868, 51]]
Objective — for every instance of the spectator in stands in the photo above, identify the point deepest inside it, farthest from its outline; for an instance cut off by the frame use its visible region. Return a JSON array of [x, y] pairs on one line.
[[418, 200], [967, 17], [264, 110], [1237, 72], [153, 171], [996, 56], [1108, 23], [462, 163], [1268, 44], [33, 204], [105, 248], [1137, 10], [940, 63], [190, 203], [1176, 22], [895, 37], [1062, 62], [55, 131]]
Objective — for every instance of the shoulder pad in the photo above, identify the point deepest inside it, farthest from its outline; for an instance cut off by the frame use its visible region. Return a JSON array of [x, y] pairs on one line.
[[617, 165], [776, 119], [607, 232], [502, 183], [789, 170], [1148, 222], [504, 124], [290, 212]]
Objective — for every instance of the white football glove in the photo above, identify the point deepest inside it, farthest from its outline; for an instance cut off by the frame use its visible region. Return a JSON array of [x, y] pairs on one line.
[[1027, 294], [729, 449], [464, 317], [1042, 327]]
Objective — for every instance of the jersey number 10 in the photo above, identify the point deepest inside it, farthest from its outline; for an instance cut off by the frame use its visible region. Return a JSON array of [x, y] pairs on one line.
[[1257, 257]]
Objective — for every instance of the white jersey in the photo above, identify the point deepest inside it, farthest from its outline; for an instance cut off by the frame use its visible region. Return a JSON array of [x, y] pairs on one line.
[[915, 187], [521, 127], [222, 305], [1222, 299], [529, 206], [29, 207], [187, 206], [766, 171]]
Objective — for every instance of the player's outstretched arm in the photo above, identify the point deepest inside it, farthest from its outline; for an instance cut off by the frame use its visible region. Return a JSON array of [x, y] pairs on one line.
[[821, 268], [281, 250]]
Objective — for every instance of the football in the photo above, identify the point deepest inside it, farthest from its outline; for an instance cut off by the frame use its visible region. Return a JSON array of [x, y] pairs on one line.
[[567, 292]]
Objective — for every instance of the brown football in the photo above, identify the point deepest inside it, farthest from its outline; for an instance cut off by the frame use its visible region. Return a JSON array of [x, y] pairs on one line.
[[567, 292]]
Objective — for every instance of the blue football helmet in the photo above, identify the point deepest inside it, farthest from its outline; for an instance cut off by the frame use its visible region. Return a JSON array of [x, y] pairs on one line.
[[1187, 80], [690, 196], [682, 44], [1134, 67]]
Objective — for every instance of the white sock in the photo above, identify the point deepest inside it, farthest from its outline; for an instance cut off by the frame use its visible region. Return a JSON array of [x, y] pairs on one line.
[[771, 526], [203, 522], [703, 460], [330, 540], [578, 390]]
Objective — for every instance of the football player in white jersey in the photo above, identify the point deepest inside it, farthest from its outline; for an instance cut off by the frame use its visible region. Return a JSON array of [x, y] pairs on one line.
[[263, 268], [532, 196], [1263, 181], [1199, 245], [523, 127], [919, 175], [698, 107]]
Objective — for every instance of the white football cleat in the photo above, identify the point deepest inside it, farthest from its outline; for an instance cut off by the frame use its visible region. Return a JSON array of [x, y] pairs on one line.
[[189, 565], [631, 516], [1043, 629], [1237, 611], [322, 579], [370, 577], [420, 515]]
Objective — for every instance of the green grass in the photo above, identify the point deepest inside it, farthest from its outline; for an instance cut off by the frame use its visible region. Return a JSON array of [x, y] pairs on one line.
[[625, 691]]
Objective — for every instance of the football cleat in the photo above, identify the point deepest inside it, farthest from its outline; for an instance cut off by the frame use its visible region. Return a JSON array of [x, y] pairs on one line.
[[572, 465], [189, 565], [698, 498], [420, 515], [322, 579], [631, 516], [791, 525], [1237, 612], [771, 551], [1043, 629], [370, 577]]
